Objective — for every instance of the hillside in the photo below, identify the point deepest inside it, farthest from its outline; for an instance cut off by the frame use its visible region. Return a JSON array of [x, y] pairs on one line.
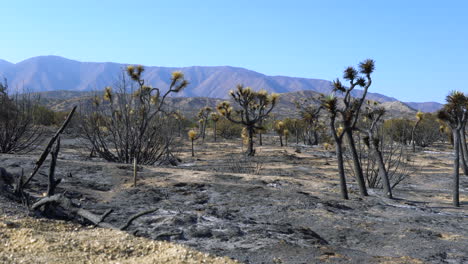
[[51, 73], [189, 106], [428, 107]]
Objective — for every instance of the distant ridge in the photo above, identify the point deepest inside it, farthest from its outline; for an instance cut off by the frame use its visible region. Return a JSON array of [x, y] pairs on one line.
[[50, 73]]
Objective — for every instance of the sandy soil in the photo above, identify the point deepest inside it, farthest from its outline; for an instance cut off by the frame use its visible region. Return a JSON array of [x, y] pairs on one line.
[[30, 240], [280, 207]]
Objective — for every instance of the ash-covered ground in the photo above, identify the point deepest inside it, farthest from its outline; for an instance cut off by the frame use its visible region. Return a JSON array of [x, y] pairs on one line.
[[280, 207]]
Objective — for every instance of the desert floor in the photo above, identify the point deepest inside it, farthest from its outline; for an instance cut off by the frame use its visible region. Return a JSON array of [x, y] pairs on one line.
[[282, 206]]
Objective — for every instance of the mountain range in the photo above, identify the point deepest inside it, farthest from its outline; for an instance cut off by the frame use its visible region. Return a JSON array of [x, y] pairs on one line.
[[52, 73]]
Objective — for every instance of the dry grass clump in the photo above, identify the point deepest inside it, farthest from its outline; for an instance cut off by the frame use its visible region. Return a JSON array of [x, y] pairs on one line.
[[29, 240]]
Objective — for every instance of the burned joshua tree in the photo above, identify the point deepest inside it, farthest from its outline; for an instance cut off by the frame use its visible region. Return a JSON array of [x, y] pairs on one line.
[[455, 114], [253, 108], [203, 115], [351, 109], [330, 104], [373, 117], [419, 118]]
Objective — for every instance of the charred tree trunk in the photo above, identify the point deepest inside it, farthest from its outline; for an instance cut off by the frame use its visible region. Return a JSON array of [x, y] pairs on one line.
[[250, 148], [413, 143], [53, 162], [381, 165], [356, 163], [193, 152], [214, 130], [296, 130], [341, 171], [315, 141], [463, 151], [456, 167]]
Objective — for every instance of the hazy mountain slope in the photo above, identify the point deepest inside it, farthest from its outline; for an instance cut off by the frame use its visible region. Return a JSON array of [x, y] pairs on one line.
[[4, 65], [428, 107], [48, 73], [398, 109]]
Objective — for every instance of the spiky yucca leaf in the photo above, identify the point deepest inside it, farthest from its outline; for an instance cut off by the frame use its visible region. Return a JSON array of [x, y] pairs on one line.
[[443, 114], [108, 93], [280, 125], [456, 98], [339, 130], [214, 117], [338, 86], [419, 115], [330, 103], [139, 69], [177, 75], [350, 73], [192, 134], [361, 82], [274, 98], [367, 66], [181, 86], [96, 101]]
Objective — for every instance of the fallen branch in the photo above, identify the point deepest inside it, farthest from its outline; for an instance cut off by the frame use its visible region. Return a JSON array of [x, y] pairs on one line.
[[135, 216]]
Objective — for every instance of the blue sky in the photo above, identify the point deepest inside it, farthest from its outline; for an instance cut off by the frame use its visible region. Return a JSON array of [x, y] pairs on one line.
[[420, 47]]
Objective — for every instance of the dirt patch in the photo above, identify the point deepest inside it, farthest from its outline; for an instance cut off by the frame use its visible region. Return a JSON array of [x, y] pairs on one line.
[[29, 240]]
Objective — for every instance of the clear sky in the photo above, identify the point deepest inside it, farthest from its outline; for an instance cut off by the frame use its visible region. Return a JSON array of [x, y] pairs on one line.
[[420, 47]]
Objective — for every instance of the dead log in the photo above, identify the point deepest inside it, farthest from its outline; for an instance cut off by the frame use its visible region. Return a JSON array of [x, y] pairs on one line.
[[69, 207], [21, 184]]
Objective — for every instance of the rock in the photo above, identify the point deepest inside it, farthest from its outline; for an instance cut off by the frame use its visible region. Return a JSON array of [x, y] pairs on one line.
[[9, 224], [169, 235], [200, 232], [184, 219], [227, 233]]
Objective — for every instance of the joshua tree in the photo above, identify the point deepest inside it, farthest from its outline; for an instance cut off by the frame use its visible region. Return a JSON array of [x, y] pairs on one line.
[[351, 109], [279, 128], [296, 125], [131, 122], [192, 134], [372, 141], [215, 119], [455, 113], [204, 114], [253, 108], [180, 120], [330, 104], [419, 118], [310, 115]]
